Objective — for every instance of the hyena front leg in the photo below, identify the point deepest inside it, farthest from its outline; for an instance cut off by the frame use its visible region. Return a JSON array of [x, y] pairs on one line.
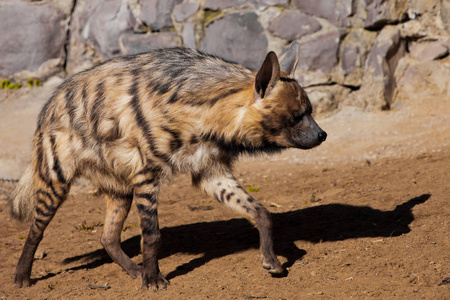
[[117, 208], [146, 188], [49, 196], [229, 192]]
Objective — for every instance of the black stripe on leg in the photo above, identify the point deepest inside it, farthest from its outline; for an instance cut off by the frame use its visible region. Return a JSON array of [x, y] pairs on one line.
[[149, 170], [149, 219], [145, 211], [45, 214], [45, 194], [148, 196], [47, 208], [40, 223], [222, 194], [229, 196], [145, 182]]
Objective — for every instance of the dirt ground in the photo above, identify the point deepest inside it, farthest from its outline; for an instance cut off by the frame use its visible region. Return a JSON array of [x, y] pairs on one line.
[[365, 215]]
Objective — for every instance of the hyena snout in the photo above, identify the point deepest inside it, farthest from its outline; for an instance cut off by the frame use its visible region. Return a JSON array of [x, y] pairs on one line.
[[308, 135]]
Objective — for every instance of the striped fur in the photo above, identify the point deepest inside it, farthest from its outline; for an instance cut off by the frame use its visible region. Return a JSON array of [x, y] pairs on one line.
[[130, 123]]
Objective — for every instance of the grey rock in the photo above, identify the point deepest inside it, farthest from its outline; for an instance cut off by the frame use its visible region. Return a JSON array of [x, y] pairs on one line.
[[422, 78], [413, 30], [386, 44], [107, 22], [326, 98], [292, 25], [320, 52], [266, 3], [353, 53], [95, 31], [237, 37], [335, 11], [26, 41], [349, 58], [445, 14], [428, 50], [382, 12], [157, 14], [381, 63], [189, 36], [63, 5], [224, 4], [185, 10], [139, 43]]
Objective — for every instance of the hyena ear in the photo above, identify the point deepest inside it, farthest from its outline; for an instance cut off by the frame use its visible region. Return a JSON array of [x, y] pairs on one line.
[[267, 76], [289, 62]]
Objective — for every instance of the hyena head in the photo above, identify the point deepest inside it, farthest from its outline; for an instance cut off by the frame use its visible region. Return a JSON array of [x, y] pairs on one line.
[[282, 104]]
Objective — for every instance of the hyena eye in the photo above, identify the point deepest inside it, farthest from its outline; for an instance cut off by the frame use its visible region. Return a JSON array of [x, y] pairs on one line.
[[296, 118]]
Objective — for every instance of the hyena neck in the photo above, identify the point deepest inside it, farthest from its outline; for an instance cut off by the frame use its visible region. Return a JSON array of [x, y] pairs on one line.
[[235, 127]]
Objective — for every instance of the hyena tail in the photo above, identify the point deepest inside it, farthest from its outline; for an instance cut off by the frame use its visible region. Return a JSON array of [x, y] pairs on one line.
[[23, 202]]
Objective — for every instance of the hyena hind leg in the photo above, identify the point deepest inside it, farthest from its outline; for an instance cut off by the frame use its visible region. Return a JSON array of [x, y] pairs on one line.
[[117, 208], [49, 196], [146, 189], [229, 192]]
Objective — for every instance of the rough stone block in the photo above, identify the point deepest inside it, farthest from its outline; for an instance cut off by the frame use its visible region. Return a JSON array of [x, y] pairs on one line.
[[382, 12], [188, 35], [353, 53], [326, 98], [445, 14], [27, 41], [107, 22], [139, 43], [237, 37], [292, 25], [157, 14], [95, 30], [224, 4], [320, 52], [335, 11], [382, 61], [185, 10], [427, 51]]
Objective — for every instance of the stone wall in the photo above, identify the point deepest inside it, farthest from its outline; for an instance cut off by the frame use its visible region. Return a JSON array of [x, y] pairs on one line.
[[353, 52]]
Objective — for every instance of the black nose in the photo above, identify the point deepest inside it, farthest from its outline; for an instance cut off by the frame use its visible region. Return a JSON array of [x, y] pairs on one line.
[[322, 136]]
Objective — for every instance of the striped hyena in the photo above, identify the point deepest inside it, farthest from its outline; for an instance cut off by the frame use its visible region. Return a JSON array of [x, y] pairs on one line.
[[130, 123]]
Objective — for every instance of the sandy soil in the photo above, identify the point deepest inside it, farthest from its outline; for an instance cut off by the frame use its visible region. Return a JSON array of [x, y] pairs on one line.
[[363, 216]]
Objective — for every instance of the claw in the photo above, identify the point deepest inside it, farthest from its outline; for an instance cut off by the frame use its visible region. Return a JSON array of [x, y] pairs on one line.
[[21, 280], [158, 282], [272, 265]]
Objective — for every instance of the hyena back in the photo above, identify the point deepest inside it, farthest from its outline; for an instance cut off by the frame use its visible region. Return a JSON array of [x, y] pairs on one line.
[[132, 122]]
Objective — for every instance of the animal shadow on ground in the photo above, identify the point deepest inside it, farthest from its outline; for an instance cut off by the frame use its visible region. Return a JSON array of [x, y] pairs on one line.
[[330, 222]]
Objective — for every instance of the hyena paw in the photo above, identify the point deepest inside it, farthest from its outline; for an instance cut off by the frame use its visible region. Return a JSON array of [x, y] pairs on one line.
[[21, 280], [272, 264], [155, 282], [135, 271]]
